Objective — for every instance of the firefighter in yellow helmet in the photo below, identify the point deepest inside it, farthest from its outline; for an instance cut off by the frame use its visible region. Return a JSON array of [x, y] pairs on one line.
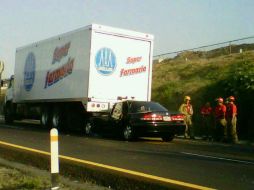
[[187, 110]]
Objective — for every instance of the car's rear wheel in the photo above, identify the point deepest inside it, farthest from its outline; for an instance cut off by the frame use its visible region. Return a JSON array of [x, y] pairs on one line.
[[89, 128], [128, 133], [168, 137]]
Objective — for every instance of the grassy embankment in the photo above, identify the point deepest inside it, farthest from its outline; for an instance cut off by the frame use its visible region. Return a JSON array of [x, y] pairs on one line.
[[12, 179], [206, 76], [24, 176]]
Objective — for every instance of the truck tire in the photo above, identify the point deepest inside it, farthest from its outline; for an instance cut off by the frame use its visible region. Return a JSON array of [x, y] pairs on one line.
[[128, 133], [46, 117], [58, 119], [8, 113]]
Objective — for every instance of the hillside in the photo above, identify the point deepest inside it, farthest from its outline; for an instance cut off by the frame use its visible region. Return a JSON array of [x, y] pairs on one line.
[[204, 79]]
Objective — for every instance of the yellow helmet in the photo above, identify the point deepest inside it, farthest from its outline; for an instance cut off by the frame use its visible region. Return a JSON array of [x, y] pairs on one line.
[[187, 98]]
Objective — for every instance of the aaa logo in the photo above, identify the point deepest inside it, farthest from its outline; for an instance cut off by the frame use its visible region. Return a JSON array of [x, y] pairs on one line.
[[105, 61]]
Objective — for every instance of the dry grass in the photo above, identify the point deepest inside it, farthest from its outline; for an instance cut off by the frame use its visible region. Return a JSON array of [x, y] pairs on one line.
[[178, 77], [12, 179], [17, 176]]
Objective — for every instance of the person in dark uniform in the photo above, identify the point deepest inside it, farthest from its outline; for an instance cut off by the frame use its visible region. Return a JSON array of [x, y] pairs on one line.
[[220, 121]]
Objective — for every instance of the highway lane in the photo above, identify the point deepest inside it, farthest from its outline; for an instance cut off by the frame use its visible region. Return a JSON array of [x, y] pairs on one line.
[[215, 165]]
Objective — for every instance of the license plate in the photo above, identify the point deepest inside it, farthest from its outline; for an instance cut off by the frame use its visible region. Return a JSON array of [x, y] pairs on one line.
[[166, 118]]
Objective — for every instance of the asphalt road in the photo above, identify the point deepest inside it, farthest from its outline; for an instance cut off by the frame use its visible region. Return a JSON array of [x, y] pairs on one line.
[[209, 164]]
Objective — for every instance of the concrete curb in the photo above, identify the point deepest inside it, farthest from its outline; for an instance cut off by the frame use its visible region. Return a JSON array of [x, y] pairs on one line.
[[198, 138]]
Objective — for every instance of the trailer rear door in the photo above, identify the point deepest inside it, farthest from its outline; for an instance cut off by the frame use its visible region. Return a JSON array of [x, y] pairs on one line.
[[120, 66]]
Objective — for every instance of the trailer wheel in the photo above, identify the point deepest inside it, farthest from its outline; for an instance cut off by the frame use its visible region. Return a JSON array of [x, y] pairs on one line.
[[58, 118], [45, 117]]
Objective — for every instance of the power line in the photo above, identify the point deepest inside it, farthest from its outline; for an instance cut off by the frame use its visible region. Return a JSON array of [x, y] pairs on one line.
[[211, 45]]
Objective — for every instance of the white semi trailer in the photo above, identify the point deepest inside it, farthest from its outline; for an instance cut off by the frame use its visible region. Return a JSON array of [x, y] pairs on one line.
[[65, 79]]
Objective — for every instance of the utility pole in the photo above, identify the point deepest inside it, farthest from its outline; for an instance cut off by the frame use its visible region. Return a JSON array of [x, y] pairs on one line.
[[230, 48]]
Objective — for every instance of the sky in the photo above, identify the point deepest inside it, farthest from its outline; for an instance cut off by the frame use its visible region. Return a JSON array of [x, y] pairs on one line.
[[175, 24]]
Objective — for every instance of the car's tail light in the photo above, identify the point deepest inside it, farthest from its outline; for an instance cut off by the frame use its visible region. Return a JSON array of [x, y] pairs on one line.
[[152, 117], [178, 117]]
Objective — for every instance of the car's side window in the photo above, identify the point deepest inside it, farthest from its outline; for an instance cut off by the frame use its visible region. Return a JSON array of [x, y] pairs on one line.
[[117, 112]]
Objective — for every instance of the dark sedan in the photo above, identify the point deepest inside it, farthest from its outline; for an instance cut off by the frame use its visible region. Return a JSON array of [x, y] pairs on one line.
[[133, 119]]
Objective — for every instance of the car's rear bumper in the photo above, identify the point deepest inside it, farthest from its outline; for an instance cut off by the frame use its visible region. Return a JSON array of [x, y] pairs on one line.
[[158, 129]]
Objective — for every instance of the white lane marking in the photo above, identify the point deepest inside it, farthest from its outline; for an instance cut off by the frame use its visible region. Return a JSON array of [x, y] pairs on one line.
[[218, 158]]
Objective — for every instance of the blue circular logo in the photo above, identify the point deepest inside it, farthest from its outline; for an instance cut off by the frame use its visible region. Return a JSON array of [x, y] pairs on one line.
[[105, 61], [29, 71]]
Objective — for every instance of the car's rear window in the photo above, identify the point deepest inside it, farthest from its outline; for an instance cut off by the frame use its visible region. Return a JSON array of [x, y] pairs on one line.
[[146, 107]]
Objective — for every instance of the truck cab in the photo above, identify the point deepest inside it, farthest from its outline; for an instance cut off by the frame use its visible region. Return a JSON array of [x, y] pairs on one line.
[[9, 91], [14, 111], [9, 107]]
